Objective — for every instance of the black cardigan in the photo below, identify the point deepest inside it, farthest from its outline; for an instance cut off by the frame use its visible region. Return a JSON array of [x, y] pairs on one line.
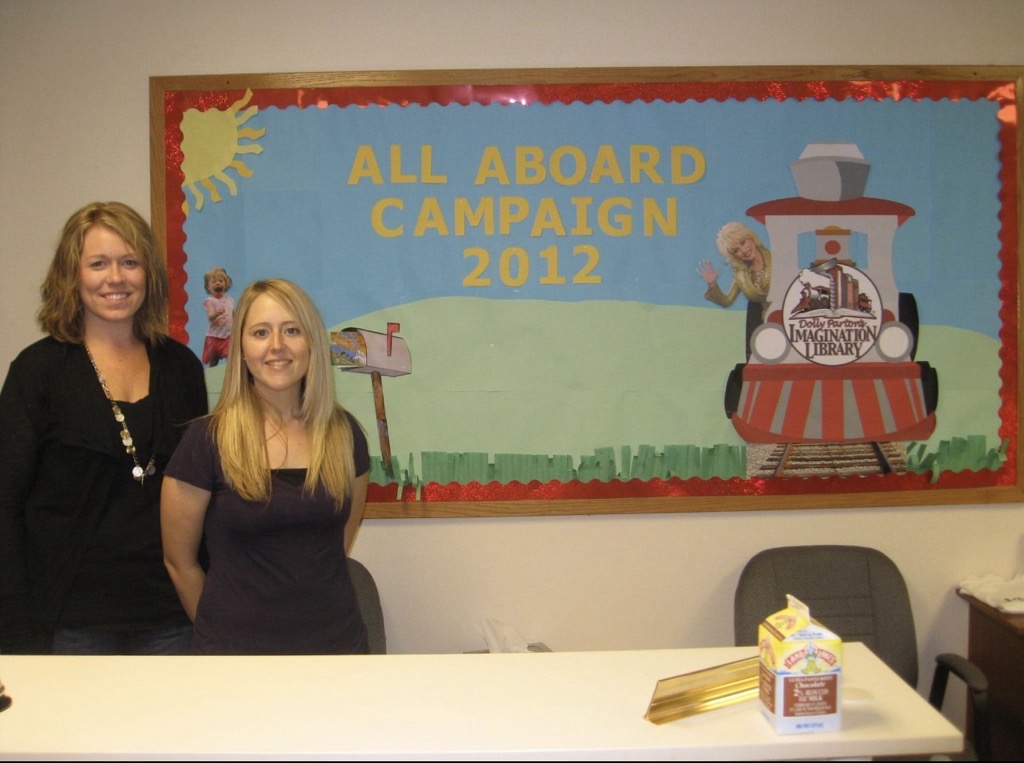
[[59, 460]]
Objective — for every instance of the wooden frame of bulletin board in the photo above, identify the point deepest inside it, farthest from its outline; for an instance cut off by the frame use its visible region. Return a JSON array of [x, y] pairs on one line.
[[632, 289]]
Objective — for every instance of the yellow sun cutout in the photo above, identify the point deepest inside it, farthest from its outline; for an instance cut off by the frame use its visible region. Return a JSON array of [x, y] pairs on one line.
[[210, 144]]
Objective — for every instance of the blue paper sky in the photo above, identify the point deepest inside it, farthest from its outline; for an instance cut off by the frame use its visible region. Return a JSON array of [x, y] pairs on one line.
[[297, 216]]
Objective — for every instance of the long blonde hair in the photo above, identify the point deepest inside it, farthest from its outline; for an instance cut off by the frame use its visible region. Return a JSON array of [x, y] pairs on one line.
[[237, 421]]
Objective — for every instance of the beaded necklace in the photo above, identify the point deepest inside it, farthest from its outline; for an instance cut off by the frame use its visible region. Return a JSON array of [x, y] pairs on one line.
[[138, 472]]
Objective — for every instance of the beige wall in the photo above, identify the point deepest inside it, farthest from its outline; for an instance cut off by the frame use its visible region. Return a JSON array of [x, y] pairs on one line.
[[74, 128]]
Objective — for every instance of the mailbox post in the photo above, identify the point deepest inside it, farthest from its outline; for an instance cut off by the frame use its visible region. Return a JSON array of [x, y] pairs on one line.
[[377, 354]]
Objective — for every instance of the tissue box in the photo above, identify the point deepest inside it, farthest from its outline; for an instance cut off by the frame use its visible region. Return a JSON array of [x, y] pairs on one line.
[[800, 672]]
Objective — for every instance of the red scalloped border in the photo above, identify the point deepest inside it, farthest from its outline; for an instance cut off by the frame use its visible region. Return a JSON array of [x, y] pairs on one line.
[[1001, 92], [679, 488]]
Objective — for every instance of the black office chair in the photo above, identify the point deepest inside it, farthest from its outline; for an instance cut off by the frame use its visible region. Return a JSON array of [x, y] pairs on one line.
[[368, 598], [860, 594]]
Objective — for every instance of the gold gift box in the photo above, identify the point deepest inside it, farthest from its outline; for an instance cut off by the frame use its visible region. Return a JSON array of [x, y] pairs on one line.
[[703, 690]]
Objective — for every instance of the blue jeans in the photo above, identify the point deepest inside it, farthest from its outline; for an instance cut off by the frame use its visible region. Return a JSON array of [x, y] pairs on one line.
[[168, 639]]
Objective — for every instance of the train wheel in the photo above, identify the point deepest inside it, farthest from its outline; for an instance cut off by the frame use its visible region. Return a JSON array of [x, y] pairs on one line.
[[909, 318], [733, 388], [930, 386]]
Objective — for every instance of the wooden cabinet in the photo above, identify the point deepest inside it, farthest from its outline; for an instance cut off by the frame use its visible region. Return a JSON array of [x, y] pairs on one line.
[[996, 645]]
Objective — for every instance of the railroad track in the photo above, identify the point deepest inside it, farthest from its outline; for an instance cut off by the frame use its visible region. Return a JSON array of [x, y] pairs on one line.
[[832, 459]]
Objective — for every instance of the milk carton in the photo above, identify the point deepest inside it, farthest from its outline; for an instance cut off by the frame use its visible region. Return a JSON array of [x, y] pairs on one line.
[[800, 672]]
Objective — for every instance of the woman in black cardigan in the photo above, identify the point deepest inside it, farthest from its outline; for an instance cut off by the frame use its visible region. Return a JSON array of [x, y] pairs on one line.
[[89, 416]]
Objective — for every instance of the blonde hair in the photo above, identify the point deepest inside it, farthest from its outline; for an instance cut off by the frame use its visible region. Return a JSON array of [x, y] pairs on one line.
[[730, 236], [237, 421], [60, 314]]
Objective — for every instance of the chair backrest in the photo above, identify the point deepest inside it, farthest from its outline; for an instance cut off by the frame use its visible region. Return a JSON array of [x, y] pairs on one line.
[[854, 591], [369, 606]]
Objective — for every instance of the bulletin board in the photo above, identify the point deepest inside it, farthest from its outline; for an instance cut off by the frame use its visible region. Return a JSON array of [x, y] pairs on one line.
[[590, 291]]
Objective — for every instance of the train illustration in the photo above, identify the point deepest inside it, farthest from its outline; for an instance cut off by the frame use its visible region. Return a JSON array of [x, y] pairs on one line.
[[834, 360]]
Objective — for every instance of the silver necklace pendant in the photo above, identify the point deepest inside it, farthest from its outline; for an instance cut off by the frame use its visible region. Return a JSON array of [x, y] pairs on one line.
[[138, 473]]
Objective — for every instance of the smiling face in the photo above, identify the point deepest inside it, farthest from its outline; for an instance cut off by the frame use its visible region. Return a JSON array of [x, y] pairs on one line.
[[745, 249], [275, 349], [111, 278]]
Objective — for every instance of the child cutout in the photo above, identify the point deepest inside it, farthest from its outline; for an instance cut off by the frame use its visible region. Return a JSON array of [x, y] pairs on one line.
[[220, 309]]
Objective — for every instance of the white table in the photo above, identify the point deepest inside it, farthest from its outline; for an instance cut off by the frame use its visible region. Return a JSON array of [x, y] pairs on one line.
[[564, 705]]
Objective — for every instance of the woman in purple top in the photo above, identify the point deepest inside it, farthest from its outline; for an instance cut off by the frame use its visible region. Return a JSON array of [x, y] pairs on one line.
[[274, 480]]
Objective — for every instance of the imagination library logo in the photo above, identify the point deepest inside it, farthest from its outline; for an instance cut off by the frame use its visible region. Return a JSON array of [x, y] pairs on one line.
[[832, 313]]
